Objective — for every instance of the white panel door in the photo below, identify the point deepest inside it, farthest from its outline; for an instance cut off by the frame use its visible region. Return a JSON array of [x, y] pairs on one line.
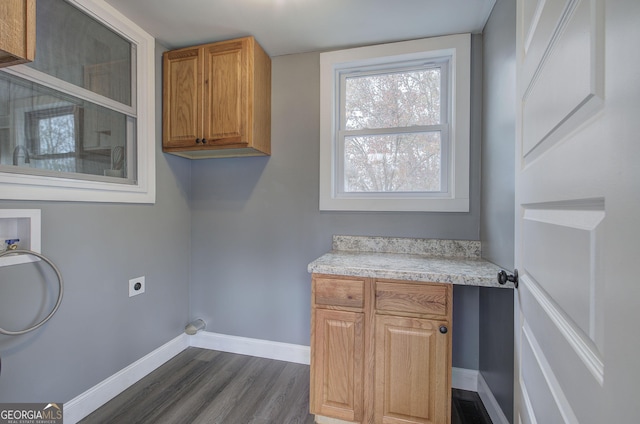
[[577, 318]]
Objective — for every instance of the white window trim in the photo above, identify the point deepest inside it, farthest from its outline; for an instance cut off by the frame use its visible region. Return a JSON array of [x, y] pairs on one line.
[[16, 186], [457, 198]]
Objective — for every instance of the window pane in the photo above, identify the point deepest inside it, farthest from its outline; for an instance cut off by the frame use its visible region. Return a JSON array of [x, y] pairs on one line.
[[56, 134], [77, 49], [392, 163], [391, 100]]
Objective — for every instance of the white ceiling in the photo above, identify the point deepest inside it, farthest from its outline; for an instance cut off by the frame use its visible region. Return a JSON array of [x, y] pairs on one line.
[[296, 26]]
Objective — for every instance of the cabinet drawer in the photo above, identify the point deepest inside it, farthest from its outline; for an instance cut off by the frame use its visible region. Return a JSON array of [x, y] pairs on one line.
[[419, 298], [339, 291]]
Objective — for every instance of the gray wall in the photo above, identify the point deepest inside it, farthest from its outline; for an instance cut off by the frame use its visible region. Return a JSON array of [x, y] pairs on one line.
[[98, 329], [497, 217], [256, 224], [498, 135]]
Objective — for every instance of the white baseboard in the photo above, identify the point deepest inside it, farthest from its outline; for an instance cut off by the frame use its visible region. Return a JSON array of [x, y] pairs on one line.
[[253, 347], [490, 402], [464, 379], [87, 402]]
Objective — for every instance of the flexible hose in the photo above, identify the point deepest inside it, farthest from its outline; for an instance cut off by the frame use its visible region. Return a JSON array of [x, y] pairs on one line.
[[60, 292]]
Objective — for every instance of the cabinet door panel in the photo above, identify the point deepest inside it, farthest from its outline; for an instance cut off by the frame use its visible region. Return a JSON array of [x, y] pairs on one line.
[[338, 364], [182, 98], [413, 360], [226, 90]]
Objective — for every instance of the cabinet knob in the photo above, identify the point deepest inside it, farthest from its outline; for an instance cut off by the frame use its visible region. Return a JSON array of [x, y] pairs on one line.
[[444, 329], [197, 141], [204, 141]]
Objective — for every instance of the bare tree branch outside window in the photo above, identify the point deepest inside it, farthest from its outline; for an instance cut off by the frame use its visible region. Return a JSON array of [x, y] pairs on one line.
[[388, 146]]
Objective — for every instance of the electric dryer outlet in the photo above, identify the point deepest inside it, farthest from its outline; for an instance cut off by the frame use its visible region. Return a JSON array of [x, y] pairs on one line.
[[136, 286]]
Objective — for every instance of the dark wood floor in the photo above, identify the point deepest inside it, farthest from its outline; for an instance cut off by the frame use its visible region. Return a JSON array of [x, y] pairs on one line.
[[205, 386]]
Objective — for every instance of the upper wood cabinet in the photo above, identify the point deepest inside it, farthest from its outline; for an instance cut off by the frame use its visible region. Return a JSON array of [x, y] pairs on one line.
[[217, 100], [17, 32]]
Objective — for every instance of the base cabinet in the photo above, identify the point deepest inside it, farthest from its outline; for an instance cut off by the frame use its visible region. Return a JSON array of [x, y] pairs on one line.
[[380, 351]]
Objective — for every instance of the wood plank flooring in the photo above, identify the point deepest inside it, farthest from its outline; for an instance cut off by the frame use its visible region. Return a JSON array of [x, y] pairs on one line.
[[201, 386]]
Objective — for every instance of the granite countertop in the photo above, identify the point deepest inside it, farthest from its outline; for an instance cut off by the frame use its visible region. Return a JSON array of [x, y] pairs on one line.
[[428, 260]]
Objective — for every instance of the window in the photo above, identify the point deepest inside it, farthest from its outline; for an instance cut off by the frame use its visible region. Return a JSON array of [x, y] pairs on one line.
[[78, 123], [395, 126], [54, 137]]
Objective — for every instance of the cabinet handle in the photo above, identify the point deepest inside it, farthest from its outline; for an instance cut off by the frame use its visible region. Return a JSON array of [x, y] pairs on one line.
[[443, 329]]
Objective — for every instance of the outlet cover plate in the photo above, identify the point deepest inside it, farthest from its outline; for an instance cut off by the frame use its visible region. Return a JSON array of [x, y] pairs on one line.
[[136, 286]]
